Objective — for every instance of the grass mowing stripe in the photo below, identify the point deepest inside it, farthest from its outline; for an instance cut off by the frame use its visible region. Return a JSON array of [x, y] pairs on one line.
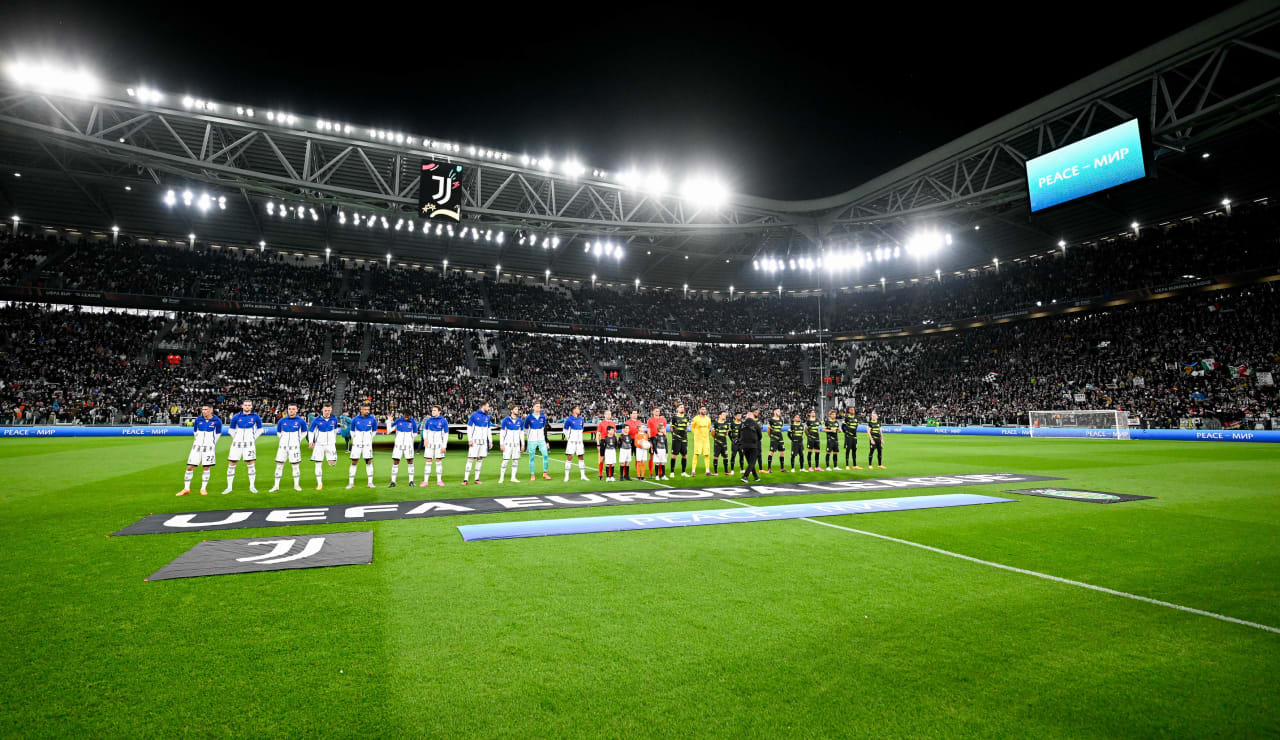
[[1037, 574]]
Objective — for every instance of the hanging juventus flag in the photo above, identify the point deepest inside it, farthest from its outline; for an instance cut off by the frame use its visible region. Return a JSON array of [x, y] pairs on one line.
[[439, 192]]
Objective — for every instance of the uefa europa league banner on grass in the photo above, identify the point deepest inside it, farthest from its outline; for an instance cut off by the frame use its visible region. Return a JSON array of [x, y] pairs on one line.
[[440, 191]]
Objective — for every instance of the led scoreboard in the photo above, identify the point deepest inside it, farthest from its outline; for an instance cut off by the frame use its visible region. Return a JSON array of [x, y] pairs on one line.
[[1104, 160]]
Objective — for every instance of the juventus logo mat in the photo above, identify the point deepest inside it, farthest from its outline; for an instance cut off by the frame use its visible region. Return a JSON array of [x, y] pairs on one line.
[[256, 554]]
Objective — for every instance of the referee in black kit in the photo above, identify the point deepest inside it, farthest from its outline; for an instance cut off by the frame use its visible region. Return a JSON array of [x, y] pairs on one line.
[[749, 443]]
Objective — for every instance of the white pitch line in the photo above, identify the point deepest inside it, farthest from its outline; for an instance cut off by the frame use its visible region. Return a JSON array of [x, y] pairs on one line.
[[1037, 574]]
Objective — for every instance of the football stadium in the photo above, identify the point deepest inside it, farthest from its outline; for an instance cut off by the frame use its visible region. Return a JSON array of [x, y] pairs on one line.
[[319, 418]]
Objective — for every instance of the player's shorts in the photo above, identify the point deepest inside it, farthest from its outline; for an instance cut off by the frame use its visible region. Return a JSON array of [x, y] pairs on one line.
[[403, 450], [324, 451], [660, 456], [201, 455], [511, 452], [701, 447], [289, 454], [433, 453], [680, 446], [833, 444], [248, 453], [777, 445], [850, 442], [624, 455], [362, 450], [610, 457], [574, 448], [813, 445], [641, 454], [722, 449], [478, 448]]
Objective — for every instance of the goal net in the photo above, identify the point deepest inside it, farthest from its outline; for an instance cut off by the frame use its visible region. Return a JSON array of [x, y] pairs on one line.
[[1088, 424]]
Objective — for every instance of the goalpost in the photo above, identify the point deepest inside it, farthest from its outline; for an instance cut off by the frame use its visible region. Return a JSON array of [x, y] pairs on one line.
[[1101, 424]]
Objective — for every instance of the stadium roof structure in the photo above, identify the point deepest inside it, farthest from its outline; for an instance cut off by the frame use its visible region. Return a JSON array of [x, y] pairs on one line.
[[108, 157]]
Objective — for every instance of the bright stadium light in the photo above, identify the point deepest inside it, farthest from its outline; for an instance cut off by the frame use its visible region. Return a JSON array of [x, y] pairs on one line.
[[170, 199], [637, 285], [54, 79], [573, 168], [501, 237], [656, 182], [446, 266], [593, 280], [705, 191], [262, 245], [191, 239], [388, 260], [617, 254]]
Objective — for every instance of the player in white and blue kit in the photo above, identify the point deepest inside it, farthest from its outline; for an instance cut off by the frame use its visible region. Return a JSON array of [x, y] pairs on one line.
[[435, 437], [511, 441], [245, 427], [206, 431], [290, 429], [573, 428], [406, 428], [478, 440], [535, 432], [363, 428], [323, 439]]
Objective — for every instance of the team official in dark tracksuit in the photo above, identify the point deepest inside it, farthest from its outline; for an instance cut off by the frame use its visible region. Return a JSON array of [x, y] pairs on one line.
[[876, 439], [850, 427], [749, 441]]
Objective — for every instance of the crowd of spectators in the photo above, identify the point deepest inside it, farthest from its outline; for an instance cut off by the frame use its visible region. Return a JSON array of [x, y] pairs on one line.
[[71, 365], [1160, 362]]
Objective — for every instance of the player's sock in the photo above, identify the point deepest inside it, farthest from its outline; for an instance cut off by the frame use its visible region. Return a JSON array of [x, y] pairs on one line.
[[204, 478], [368, 470], [502, 471], [411, 472], [297, 474], [568, 465], [186, 481], [466, 473], [319, 472], [351, 476], [395, 471], [478, 464], [253, 475], [279, 473], [231, 474], [716, 465], [684, 464]]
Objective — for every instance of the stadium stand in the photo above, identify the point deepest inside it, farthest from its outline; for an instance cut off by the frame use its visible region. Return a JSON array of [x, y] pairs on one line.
[[1163, 362], [1248, 239]]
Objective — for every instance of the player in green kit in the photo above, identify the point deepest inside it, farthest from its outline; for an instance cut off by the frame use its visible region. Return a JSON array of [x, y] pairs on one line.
[[735, 430], [812, 442], [775, 441], [850, 427], [876, 439], [832, 429], [795, 435], [680, 440]]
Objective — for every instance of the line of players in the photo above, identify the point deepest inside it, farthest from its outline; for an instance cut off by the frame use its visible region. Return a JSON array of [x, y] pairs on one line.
[[632, 445]]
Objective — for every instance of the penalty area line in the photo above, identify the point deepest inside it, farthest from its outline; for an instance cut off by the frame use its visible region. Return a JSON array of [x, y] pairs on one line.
[[1037, 574]]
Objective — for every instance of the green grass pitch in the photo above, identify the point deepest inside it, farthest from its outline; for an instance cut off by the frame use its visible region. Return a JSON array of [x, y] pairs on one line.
[[769, 629]]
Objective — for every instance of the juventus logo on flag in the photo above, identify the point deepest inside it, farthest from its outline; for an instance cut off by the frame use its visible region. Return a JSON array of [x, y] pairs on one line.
[[439, 193]]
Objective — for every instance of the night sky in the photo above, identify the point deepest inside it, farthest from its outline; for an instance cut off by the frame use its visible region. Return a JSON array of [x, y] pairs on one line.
[[783, 108]]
